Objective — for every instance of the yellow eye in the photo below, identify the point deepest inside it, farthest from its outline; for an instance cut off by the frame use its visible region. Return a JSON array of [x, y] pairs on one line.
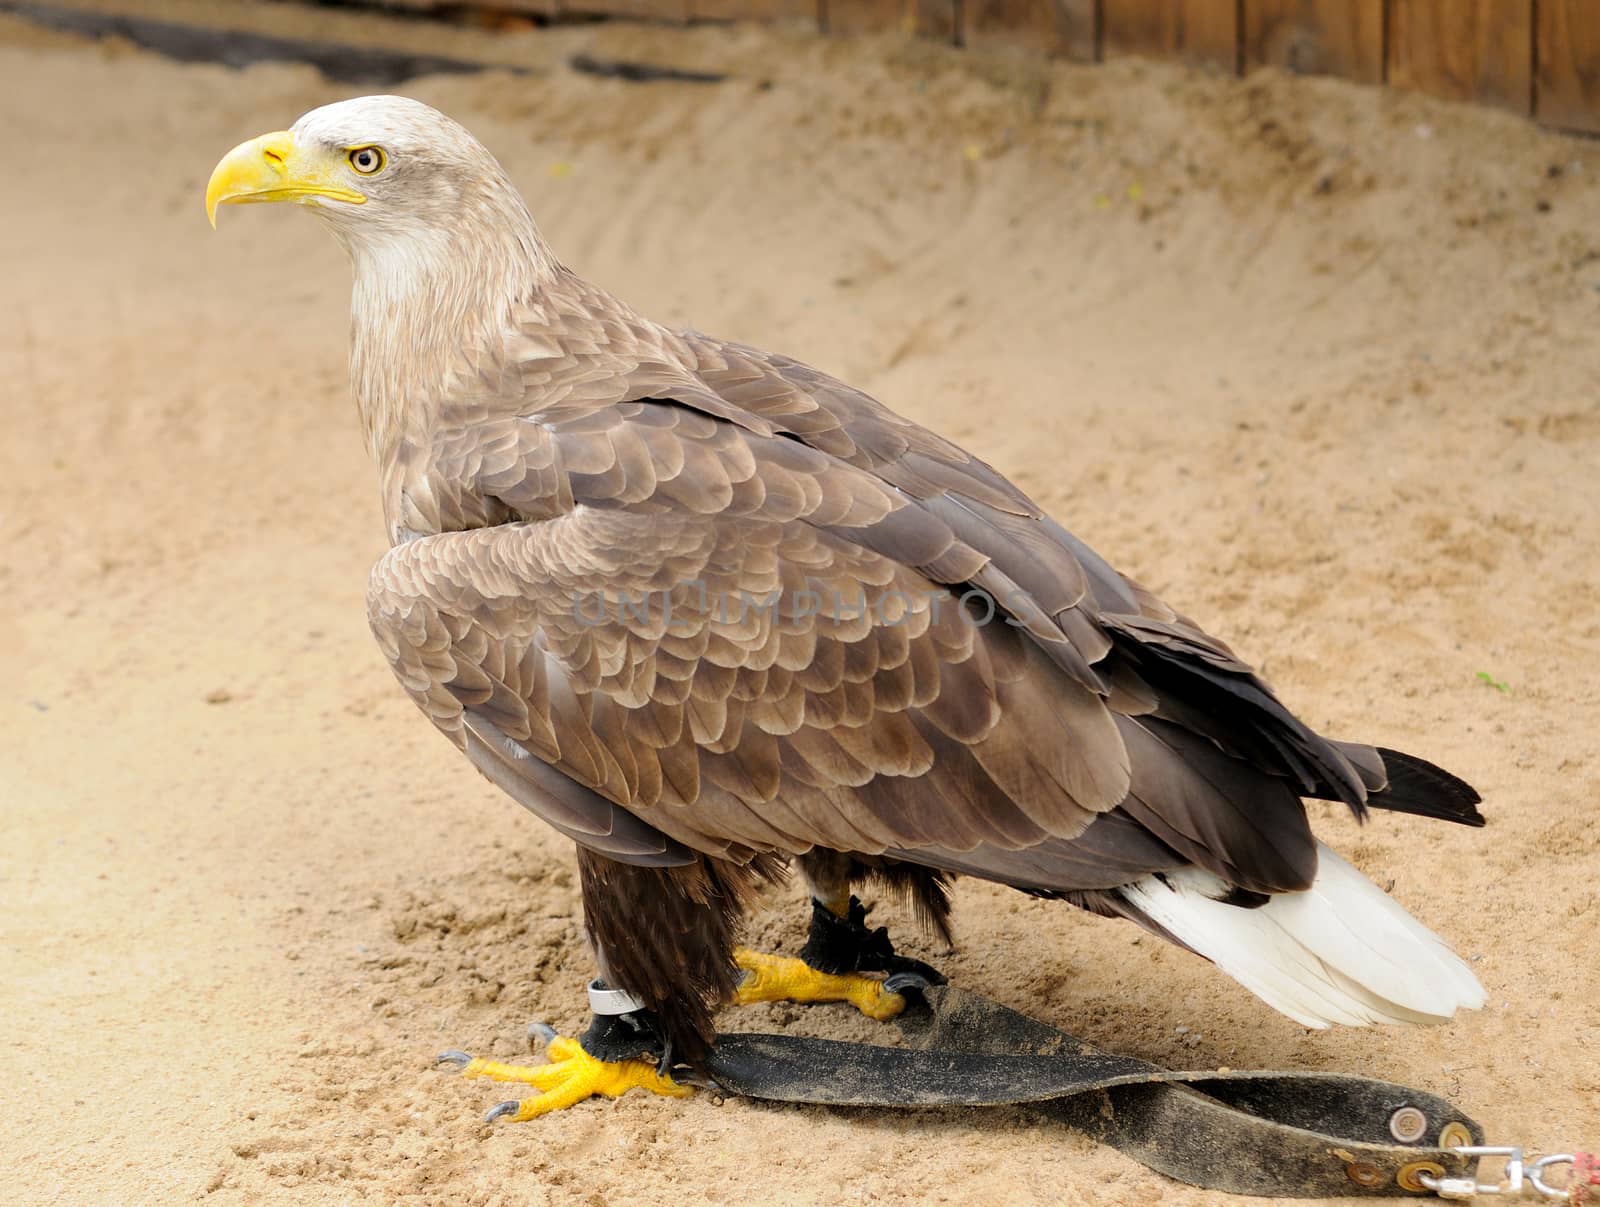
[[366, 160]]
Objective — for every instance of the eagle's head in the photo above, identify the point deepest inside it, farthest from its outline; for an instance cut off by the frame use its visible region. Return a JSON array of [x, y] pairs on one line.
[[441, 242], [376, 169]]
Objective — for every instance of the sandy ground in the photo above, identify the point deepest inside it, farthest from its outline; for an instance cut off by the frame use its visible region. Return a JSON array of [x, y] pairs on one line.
[[1317, 362]]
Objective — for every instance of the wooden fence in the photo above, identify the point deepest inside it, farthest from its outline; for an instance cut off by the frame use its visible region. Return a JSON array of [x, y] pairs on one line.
[[1536, 57]]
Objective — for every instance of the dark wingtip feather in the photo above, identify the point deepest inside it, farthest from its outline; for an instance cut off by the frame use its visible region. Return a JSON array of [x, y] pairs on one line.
[[1417, 786]]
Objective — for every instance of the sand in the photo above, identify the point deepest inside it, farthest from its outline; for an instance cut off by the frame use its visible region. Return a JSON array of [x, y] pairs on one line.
[[1317, 362]]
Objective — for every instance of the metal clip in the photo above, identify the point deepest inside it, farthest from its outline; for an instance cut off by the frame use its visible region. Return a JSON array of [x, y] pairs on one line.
[[1544, 1163], [1511, 1181]]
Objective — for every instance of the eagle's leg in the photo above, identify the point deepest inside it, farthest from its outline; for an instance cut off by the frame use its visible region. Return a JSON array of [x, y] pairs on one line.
[[841, 951], [663, 939]]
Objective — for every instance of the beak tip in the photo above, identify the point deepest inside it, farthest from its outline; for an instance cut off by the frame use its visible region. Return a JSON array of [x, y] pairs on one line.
[[243, 172]]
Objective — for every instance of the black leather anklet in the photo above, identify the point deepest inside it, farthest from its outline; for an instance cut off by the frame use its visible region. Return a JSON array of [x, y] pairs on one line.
[[844, 945]]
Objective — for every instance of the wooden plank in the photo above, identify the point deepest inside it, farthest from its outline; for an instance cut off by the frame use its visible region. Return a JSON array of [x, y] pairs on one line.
[[754, 10], [637, 10], [1466, 50], [540, 8], [1061, 28], [1567, 90], [862, 16], [1197, 31], [929, 18], [1316, 37]]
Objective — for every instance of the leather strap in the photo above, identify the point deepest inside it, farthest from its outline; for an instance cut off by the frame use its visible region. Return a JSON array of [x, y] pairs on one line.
[[1300, 1135]]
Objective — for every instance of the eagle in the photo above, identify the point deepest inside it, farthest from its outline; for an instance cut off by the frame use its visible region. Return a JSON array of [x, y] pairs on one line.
[[713, 614]]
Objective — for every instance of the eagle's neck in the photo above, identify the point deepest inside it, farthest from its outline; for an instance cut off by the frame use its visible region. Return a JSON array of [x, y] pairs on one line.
[[430, 306]]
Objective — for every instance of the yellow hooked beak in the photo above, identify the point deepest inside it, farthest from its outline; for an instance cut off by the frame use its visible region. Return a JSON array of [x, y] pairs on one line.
[[271, 168]]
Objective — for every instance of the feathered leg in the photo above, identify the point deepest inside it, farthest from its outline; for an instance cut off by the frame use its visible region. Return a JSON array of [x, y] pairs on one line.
[[840, 948], [663, 940], [666, 936]]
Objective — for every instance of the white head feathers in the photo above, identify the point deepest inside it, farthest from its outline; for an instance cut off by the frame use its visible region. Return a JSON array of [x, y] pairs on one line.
[[442, 248]]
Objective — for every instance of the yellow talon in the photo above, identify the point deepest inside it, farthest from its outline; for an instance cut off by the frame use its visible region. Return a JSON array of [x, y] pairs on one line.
[[782, 978], [571, 1076]]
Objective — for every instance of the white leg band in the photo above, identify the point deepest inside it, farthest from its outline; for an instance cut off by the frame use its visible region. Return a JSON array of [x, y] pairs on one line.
[[605, 1000]]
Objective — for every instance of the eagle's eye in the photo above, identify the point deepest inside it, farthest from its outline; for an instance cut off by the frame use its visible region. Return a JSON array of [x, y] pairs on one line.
[[367, 160]]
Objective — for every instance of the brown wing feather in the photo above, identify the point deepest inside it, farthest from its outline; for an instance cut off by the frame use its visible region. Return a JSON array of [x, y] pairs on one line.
[[616, 598], [708, 586]]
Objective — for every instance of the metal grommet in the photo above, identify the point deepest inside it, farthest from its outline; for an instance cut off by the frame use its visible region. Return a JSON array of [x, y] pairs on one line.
[[1408, 1125], [1454, 1135], [1410, 1178], [1364, 1175]]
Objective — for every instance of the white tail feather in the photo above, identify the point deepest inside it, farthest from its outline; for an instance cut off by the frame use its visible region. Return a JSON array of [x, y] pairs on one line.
[[1341, 952]]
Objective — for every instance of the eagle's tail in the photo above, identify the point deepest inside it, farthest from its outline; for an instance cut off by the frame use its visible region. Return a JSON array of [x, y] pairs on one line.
[[1341, 952], [1417, 786]]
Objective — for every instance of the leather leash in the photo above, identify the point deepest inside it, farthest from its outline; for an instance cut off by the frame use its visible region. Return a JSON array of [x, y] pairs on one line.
[[1294, 1135]]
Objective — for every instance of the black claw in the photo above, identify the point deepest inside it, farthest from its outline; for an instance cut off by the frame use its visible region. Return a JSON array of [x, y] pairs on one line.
[[455, 1056], [664, 1065], [900, 982], [501, 1110], [906, 966], [542, 1032]]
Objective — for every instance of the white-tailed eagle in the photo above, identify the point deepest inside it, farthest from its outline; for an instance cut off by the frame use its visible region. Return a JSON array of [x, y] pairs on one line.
[[707, 610]]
